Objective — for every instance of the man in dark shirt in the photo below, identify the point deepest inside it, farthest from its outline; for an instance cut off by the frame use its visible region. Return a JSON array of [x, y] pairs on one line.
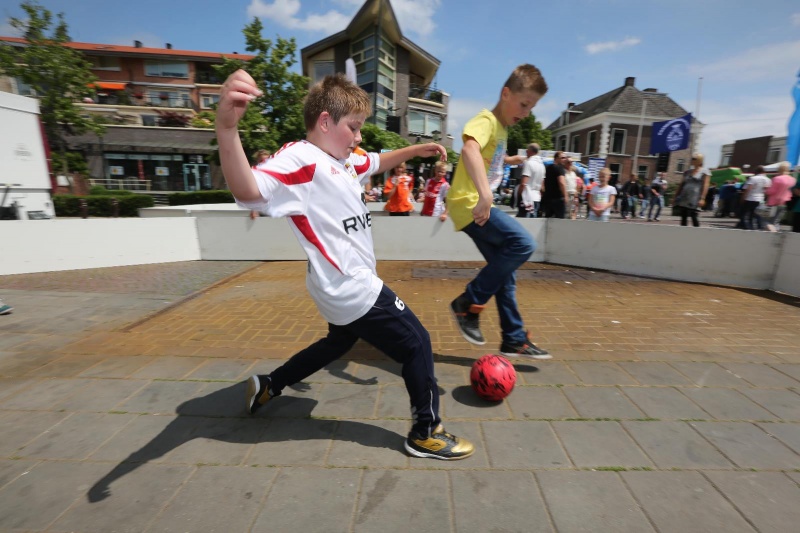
[[630, 192], [554, 188]]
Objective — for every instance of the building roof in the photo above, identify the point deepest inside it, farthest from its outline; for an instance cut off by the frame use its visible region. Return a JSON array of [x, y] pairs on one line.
[[626, 99], [121, 50]]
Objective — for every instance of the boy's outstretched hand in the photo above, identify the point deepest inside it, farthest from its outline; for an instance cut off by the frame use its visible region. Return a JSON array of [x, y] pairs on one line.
[[431, 150], [238, 90]]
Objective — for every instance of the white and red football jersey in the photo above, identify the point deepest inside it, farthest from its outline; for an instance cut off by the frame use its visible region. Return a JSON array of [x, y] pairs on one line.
[[323, 199]]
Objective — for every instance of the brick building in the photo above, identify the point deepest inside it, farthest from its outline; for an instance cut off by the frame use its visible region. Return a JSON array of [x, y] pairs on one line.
[[136, 87], [395, 72], [608, 125]]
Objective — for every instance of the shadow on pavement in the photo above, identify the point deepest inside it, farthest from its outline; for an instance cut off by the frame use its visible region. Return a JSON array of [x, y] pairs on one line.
[[220, 416]]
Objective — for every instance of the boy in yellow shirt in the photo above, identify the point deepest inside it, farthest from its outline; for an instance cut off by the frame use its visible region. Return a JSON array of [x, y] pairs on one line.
[[502, 241]]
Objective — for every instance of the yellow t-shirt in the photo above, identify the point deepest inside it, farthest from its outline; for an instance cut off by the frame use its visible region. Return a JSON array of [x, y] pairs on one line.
[[491, 136]]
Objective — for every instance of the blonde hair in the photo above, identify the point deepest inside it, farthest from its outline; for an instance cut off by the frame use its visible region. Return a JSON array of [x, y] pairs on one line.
[[338, 96], [605, 171], [440, 165], [783, 167], [699, 157], [526, 78], [261, 154]]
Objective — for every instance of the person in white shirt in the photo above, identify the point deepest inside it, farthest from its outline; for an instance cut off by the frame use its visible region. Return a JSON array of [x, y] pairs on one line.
[[753, 196], [534, 170], [317, 184], [601, 197]]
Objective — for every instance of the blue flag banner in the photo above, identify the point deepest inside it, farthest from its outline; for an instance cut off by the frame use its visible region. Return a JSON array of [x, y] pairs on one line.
[[671, 135], [793, 138], [595, 164]]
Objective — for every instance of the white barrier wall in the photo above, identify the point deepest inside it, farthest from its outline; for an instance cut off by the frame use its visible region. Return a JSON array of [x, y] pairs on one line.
[[396, 239], [70, 244], [787, 272], [708, 255]]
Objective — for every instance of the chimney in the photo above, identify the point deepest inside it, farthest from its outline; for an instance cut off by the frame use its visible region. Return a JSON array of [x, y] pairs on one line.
[[569, 105], [137, 44], [169, 46], [629, 81], [650, 90]]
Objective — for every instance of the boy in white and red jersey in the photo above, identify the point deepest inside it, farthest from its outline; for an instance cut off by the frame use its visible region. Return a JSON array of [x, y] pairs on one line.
[[436, 193], [298, 183]]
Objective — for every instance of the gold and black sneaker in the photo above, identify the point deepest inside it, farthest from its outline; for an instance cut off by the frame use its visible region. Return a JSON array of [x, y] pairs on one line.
[[258, 392], [440, 445]]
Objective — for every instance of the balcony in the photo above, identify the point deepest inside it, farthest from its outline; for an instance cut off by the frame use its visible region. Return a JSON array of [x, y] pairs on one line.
[[425, 93]]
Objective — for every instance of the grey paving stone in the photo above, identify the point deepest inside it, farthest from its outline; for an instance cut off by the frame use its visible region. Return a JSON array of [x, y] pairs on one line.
[[43, 394], [131, 502], [116, 367], [148, 438], [512, 497], [216, 441], [767, 499], [795, 476], [664, 403], [654, 373], [761, 375], [384, 372], [789, 369], [10, 386], [683, 501], [66, 367], [293, 442], [341, 371], [784, 403], [11, 469], [100, 395], [748, 445], [34, 500], [239, 491], [601, 373], [393, 402], [309, 499], [524, 444], [727, 404], [709, 374], [789, 434], [601, 402], [168, 367], [450, 374], [347, 401], [552, 373], [540, 403], [161, 397], [462, 402], [231, 369], [600, 444], [76, 437], [675, 445], [591, 501], [373, 443], [20, 427], [421, 497]]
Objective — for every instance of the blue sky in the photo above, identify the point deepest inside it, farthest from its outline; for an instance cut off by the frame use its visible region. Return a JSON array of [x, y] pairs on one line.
[[748, 53]]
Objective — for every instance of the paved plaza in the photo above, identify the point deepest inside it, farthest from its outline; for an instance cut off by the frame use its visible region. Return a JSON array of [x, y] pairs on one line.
[[668, 407]]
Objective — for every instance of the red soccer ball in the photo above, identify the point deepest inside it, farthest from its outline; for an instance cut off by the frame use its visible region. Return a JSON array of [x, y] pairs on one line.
[[493, 377]]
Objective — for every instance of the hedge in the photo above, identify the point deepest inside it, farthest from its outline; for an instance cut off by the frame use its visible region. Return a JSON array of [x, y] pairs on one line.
[[67, 205], [99, 190], [201, 197]]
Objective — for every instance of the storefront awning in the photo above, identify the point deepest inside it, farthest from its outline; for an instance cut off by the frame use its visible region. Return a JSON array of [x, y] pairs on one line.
[[108, 85]]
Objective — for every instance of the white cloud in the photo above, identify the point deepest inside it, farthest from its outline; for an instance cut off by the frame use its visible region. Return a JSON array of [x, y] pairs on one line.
[[611, 46], [284, 12], [796, 19], [755, 64], [414, 16]]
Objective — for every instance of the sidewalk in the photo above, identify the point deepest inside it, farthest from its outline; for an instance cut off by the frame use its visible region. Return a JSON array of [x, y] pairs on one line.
[[667, 407]]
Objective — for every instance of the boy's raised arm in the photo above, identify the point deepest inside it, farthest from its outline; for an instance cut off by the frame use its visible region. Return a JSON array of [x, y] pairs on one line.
[[395, 157], [239, 89]]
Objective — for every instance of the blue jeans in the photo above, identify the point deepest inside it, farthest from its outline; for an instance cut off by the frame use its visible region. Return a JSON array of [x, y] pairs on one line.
[[657, 204], [506, 246]]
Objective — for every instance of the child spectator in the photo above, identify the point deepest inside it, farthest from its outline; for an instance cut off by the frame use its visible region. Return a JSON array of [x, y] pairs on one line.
[[602, 197], [436, 193], [317, 184]]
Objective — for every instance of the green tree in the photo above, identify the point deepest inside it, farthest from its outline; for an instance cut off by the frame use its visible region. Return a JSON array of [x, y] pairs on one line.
[[526, 131], [276, 117], [374, 139], [58, 74]]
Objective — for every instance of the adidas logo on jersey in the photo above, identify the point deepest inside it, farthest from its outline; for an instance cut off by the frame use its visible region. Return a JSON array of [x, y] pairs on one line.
[[334, 171]]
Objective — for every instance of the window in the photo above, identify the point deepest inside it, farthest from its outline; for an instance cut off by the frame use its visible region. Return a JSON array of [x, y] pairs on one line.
[[576, 143], [149, 120], [774, 155], [167, 69], [680, 165], [424, 123], [322, 69], [614, 168], [726, 160], [618, 142], [591, 145], [24, 89], [562, 143], [207, 101], [104, 63], [642, 172], [164, 98], [374, 56]]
